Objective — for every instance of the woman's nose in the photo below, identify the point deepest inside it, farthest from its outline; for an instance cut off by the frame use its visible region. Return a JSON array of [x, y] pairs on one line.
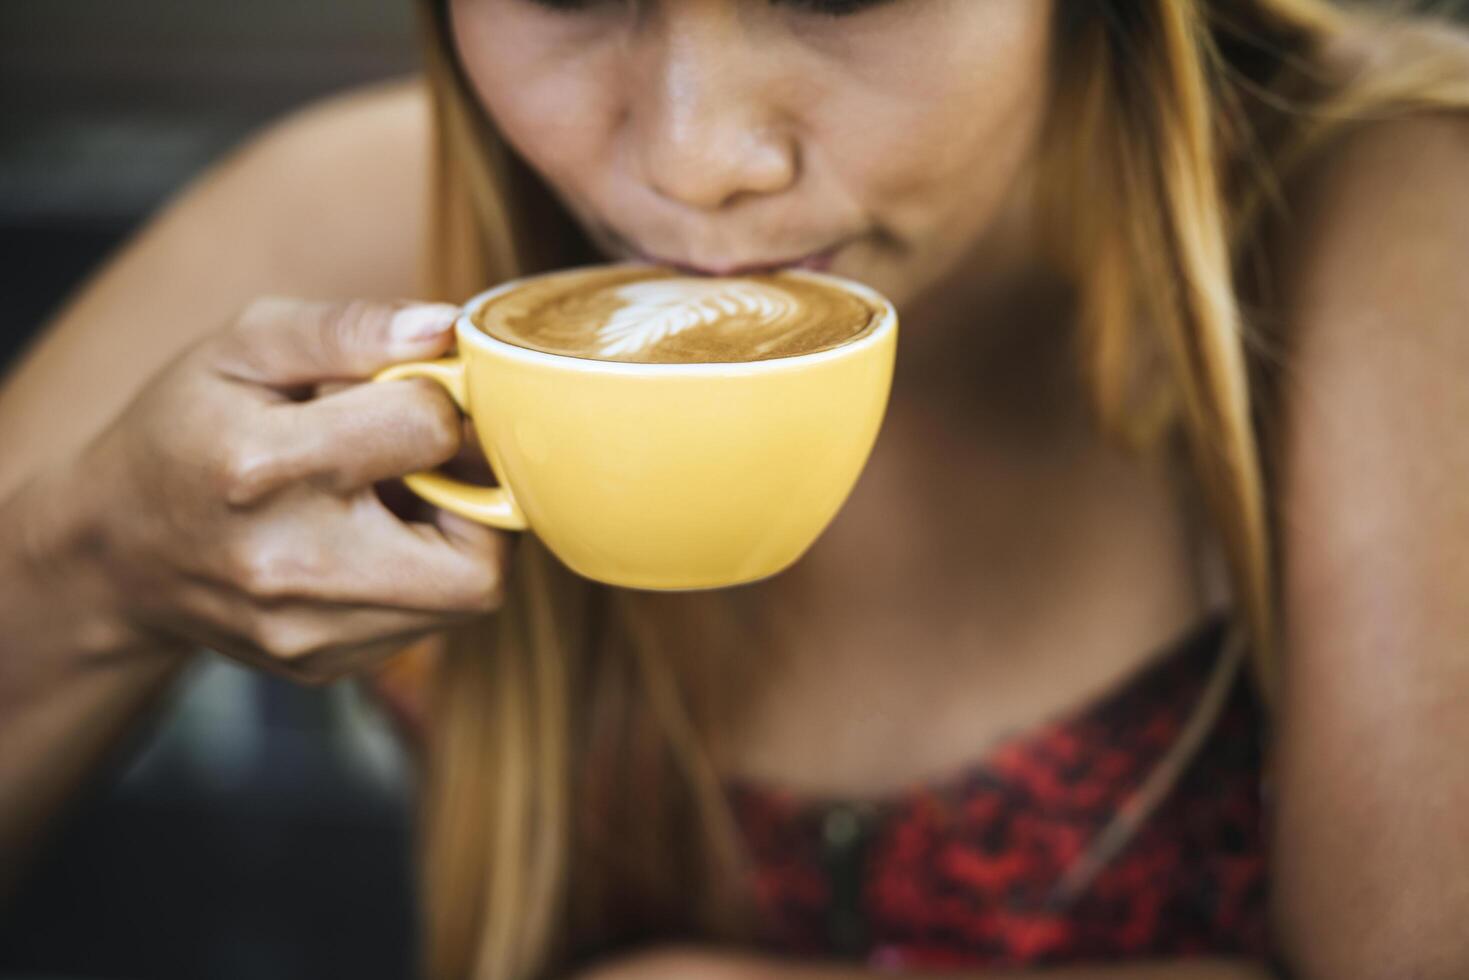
[[706, 121]]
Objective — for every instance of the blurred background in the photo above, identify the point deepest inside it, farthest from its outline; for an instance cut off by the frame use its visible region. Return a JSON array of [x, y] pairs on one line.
[[107, 107], [259, 829]]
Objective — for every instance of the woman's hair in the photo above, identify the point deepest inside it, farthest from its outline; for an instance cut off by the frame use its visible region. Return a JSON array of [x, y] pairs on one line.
[[572, 804]]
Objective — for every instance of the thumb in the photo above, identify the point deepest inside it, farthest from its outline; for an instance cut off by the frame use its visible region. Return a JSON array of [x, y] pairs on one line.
[[286, 342]]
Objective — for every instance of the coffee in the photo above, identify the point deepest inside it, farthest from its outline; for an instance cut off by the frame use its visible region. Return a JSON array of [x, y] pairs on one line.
[[656, 315]]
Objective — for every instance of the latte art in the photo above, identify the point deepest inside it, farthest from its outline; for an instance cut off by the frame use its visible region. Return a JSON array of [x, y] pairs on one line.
[[650, 314], [662, 308]]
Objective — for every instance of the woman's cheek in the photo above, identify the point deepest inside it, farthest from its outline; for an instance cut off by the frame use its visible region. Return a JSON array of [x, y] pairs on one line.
[[547, 80], [556, 122], [558, 119]]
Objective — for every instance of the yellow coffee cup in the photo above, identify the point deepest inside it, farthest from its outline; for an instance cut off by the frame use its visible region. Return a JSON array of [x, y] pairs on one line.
[[663, 476]]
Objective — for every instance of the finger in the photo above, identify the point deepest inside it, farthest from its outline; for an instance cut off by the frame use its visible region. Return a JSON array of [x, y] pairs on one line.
[[334, 663], [288, 637], [331, 662], [356, 437], [480, 555], [354, 550], [470, 462], [285, 343], [449, 565], [471, 538], [313, 646]]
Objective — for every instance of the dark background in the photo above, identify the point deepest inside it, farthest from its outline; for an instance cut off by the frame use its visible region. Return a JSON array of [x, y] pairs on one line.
[[259, 829], [106, 106]]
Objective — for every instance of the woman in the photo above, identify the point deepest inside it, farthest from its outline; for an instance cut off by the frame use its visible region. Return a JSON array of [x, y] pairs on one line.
[[1182, 354]]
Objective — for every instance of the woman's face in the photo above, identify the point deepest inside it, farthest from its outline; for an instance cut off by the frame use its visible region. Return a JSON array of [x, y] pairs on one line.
[[882, 136]]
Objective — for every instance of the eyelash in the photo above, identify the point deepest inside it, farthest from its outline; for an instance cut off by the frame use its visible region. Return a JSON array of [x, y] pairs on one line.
[[828, 8], [833, 8]]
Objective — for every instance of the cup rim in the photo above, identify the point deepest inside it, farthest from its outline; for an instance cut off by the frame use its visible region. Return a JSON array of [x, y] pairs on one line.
[[467, 332]]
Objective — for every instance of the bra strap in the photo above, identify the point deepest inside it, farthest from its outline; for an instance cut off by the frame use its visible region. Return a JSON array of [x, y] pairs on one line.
[[1165, 774]]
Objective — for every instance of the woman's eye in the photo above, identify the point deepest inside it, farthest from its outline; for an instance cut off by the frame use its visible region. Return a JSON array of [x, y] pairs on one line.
[[566, 5], [833, 8]]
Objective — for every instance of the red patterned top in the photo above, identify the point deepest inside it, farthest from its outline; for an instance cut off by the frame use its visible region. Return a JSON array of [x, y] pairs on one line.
[[961, 873]]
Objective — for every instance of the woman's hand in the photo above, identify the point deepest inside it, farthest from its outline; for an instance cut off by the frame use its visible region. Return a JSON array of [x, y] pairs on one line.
[[237, 511]]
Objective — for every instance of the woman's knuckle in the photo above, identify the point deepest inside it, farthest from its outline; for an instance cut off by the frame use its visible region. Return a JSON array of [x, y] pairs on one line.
[[346, 324], [247, 473], [260, 311], [286, 641], [443, 431], [484, 589], [339, 480], [269, 571]]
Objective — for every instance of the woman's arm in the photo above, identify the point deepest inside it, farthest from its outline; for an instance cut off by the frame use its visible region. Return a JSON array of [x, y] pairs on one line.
[[1371, 836], [325, 204], [72, 673]]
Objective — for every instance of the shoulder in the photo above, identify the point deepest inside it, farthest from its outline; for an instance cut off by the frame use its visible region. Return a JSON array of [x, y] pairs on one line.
[[1383, 216], [1369, 254], [1368, 263], [1373, 506], [326, 203], [333, 195], [388, 117], [1383, 196], [1365, 160]]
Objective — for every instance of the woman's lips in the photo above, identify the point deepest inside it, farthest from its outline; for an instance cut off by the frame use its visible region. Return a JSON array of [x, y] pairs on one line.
[[817, 261], [821, 261]]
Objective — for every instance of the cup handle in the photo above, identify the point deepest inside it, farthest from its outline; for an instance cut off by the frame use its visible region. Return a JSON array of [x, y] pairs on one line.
[[494, 506]]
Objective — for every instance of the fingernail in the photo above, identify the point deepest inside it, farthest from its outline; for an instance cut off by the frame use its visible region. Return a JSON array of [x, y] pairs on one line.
[[419, 324]]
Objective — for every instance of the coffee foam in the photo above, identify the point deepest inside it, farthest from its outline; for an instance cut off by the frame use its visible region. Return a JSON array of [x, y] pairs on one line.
[[652, 314]]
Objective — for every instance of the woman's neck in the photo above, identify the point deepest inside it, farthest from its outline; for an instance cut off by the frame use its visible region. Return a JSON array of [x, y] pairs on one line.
[[986, 409], [991, 345]]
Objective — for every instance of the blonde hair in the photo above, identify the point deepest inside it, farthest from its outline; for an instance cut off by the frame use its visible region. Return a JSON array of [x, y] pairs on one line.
[[577, 730]]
